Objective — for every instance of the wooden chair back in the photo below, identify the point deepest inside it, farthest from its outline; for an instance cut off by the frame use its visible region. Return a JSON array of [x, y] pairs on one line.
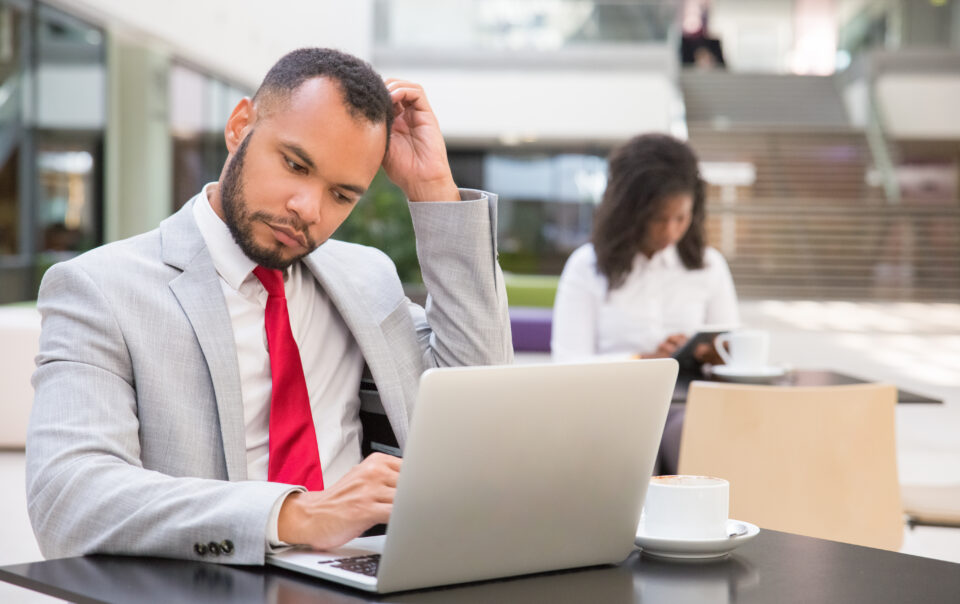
[[817, 461]]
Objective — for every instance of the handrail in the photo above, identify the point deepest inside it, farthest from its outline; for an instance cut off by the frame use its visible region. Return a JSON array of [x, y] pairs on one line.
[[879, 149], [818, 207]]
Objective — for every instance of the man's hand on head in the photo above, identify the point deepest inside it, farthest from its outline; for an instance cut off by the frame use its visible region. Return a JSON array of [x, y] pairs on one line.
[[329, 518], [417, 158]]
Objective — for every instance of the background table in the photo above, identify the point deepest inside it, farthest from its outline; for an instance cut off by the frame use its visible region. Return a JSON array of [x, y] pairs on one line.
[[801, 377], [774, 567]]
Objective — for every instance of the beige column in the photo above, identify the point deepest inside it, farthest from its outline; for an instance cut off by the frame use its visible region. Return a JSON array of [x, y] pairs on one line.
[[139, 165]]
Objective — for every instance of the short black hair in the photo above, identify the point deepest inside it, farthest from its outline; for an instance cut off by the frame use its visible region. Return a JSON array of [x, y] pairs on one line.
[[363, 89], [643, 173]]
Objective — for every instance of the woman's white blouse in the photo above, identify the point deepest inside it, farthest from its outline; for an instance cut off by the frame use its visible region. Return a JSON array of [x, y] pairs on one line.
[[660, 297]]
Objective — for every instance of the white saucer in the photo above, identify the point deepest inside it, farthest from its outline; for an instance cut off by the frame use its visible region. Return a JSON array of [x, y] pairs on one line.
[[737, 373], [697, 548]]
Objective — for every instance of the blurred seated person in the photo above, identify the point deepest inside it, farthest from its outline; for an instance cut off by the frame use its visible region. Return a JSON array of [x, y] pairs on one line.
[[701, 52], [697, 47], [646, 281]]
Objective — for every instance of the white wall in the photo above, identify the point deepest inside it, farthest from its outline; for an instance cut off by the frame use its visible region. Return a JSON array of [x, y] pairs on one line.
[[815, 37], [920, 105], [757, 35], [545, 105], [237, 39], [240, 39]]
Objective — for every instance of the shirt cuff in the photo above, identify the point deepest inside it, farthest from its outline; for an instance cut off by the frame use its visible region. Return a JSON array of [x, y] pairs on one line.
[[273, 543], [471, 194], [465, 195]]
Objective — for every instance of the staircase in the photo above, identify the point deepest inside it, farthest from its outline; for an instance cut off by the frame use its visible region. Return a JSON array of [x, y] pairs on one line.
[[722, 99], [815, 223], [822, 249], [792, 164]]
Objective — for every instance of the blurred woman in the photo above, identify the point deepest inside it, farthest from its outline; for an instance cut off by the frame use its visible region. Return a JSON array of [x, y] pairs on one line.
[[647, 280]]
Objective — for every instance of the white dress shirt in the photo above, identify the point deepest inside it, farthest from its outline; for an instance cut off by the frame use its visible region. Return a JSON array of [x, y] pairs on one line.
[[659, 297], [331, 357]]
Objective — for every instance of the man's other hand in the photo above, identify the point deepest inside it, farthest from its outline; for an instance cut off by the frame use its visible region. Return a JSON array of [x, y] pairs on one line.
[[329, 518], [417, 158]]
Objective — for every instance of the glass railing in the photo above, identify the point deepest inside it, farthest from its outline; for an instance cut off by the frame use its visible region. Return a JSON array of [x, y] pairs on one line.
[[528, 25], [900, 24]]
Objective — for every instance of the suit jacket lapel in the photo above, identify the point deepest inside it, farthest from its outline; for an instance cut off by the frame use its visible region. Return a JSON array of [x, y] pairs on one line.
[[362, 322], [197, 289]]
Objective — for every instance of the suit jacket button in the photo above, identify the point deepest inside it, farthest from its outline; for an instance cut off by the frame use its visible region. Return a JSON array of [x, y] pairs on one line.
[[213, 548], [200, 549], [226, 546]]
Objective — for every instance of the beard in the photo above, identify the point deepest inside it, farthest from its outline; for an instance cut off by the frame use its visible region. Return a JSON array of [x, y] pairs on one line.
[[240, 219]]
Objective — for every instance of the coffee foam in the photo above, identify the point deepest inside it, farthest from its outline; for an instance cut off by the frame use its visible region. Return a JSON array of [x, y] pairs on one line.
[[687, 481]]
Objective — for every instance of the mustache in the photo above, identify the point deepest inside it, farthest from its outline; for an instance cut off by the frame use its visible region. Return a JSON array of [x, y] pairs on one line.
[[293, 223]]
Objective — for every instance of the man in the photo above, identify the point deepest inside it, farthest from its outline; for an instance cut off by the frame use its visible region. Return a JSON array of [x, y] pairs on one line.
[[197, 387]]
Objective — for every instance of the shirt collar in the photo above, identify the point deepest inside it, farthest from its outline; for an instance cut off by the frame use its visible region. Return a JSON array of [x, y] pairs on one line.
[[231, 263], [668, 257]]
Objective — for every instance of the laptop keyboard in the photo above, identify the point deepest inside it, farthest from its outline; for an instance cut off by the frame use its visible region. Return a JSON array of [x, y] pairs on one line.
[[364, 565]]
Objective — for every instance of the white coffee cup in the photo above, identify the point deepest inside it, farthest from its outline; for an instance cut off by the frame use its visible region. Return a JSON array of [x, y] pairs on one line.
[[686, 507], [748, 348]]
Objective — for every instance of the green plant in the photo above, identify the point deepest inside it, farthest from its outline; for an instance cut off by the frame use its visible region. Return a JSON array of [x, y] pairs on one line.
[[382, 220]]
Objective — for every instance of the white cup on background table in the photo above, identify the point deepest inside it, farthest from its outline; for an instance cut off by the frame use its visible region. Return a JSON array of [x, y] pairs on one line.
[[748, 348]]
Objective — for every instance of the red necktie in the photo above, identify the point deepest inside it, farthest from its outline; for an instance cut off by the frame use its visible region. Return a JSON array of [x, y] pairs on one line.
[[294, 457]]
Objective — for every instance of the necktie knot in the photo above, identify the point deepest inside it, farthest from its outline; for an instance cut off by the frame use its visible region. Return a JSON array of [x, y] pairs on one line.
[[272, 280]]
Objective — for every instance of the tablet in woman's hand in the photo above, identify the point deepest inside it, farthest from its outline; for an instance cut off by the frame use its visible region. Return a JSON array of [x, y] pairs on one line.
[[685, 354]]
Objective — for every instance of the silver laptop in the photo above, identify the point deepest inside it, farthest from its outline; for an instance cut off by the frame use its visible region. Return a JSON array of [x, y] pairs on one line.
[[512, 470]]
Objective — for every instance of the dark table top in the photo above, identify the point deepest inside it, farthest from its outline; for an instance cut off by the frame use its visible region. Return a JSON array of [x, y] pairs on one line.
[[774, 567], [800, 377]]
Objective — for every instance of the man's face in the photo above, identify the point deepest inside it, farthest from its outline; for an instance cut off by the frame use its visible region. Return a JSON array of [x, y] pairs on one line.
[[298, 173]]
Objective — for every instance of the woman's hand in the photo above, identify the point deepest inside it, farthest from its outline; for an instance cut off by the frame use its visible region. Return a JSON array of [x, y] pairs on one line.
[[667, 347], [705, 352]]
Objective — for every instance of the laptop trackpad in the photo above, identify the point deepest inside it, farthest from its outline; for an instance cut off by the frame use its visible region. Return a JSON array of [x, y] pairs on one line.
[[353, 564], [361, 546]]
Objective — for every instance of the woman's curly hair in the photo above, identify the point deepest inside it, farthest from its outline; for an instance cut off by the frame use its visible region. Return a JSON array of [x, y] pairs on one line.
[[643, 173]]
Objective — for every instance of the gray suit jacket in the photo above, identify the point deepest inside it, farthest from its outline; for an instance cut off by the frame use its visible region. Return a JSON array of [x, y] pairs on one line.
[[136, 441]]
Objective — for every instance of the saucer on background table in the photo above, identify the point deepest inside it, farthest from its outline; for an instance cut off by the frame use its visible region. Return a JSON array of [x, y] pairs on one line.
[[663, 547], [738, 373]]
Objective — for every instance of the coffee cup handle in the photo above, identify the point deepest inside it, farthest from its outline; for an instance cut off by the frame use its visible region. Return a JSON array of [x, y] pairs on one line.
[[718, 344]]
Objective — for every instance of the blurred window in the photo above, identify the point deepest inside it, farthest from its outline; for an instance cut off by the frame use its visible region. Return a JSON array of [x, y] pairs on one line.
[[531, 24], [69, 131], [199, 108], [52, 122], [67, 216], [546, 201], [13, 24], [901, 24]]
